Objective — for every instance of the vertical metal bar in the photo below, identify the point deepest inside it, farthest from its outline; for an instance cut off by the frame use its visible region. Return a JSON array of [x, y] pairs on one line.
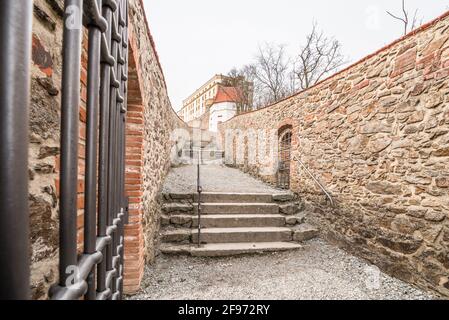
[[112, 179], [69, 136], [200, 190], [90, 208], [118, 145], [15, 37], [123, 173], [103, 197]]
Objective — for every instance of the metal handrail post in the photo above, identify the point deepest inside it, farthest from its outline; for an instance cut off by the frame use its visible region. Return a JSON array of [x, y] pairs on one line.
[[199, 190]]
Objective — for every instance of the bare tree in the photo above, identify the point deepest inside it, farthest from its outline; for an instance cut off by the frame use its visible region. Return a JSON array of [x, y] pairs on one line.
[[271, 73], [319, 57], [404, 18], [241, 81]]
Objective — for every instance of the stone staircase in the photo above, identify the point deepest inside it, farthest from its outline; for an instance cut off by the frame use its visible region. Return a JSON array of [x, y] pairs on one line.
[[233, 224]]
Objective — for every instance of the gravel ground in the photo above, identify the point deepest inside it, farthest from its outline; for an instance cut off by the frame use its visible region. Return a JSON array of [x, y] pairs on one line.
[[316, 272], [214, 178]]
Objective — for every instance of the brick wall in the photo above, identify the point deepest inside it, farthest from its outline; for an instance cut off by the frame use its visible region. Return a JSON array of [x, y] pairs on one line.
[[377, 136], [150, 121]]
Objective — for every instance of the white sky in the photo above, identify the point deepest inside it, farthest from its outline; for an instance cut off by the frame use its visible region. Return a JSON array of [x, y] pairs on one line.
[[197, 39]]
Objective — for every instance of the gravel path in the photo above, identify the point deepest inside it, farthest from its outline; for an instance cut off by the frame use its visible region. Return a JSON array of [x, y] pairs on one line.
[[317, 272], [214, 178]]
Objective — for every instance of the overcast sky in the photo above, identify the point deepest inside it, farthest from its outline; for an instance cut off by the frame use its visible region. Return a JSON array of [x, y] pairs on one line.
[[197, 39]]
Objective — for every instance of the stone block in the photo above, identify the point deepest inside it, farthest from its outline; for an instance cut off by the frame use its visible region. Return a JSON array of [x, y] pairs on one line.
[[289, 209], [305, 232], [283, 197], [181, 220], [384, 187]]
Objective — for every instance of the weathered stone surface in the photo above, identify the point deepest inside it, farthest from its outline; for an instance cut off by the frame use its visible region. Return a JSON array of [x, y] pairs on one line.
[[411, 129], [289, 209], [419, 180], [173, 208], [443, 152], [417, 212], [291, 220], [305, 232], [165, 220], [435, 216], [283, 197], [416, 117], [405, 62], [434, 100], [384, 187], [181, 196], [44, 168], [181, 220], [48, 85], [442, 182], [382, 152], [300, 219], [47, 151], [375, 127], [42, 57], [400, 243], [405, 107], [379, 143], [178, 236]]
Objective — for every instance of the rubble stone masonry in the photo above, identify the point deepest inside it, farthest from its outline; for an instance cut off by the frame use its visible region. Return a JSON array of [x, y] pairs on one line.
[[150, 121], [377, 136]]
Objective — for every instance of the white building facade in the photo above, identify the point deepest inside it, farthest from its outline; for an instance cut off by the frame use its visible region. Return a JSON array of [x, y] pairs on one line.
[[221, 112]]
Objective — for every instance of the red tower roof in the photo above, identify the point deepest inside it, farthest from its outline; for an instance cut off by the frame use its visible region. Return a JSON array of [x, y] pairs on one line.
[[227, 94]]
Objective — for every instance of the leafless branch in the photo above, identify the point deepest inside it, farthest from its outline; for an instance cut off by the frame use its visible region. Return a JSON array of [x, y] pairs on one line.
[[271, 73], [318, 57], [408, 25]]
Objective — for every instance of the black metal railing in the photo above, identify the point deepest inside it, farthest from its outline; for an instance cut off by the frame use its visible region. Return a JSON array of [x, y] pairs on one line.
[[97, 273]]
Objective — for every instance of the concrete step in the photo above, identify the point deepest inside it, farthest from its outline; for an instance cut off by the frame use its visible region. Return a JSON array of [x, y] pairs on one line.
[[237, 208], [240, 221], [300, 233], [231, 220], [212, 197], [229, 249], [236, 235]]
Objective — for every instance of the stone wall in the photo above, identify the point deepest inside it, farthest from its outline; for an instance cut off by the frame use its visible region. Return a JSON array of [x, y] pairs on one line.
[[44, 143], [150, 124], [377, 136], [150, 121]]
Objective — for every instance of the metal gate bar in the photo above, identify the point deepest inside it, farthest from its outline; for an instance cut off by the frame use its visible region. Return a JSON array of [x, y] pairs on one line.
[[15, 54], [107, 62], [70, 97], [97, 273], [106, 108]]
